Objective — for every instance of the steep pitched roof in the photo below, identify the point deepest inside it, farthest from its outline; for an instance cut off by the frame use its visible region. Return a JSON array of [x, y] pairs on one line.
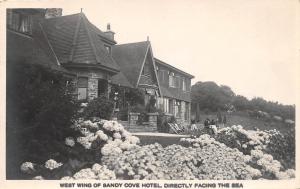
[[35, 50], [130, 58], [157, 61], [76, 41]]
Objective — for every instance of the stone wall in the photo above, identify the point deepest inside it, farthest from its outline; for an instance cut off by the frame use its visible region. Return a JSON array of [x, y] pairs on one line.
[[92, 88], [93, 77]]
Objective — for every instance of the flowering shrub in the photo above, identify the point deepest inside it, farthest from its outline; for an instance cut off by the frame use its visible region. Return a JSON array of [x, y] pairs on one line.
[[27, 167], [99, 107], [52, 164], [264, 164], [97, 172], [280, 146], [209, 160], [69, 141], [110, 152]]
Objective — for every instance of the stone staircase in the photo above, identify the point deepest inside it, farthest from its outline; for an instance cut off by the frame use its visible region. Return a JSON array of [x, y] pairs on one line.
[[145, 127]]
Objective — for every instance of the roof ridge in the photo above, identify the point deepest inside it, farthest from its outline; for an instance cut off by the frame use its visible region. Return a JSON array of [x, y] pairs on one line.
[[132, 43], [63, 16], [75, 38], [173, 67], [90, 38]]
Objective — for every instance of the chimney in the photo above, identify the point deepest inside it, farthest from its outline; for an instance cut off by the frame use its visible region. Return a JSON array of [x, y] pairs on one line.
[[108, 33], [53, 12]]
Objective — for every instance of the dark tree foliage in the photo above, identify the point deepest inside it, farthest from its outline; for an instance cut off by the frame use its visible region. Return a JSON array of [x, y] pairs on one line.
[[99, 107], [241, 102], [212, 97], [274, 108], [128, 99], [40, 109]]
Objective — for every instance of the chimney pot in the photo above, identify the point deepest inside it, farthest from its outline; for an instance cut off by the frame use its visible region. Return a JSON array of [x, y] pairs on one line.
[[108, 33]]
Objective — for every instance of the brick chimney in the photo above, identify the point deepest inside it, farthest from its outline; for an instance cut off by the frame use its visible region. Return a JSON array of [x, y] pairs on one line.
[[108, 33], [53, 12]]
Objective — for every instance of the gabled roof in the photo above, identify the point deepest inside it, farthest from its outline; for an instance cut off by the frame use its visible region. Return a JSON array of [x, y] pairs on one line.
[[160, 62], [35, 50], [76, 41], [130, 57]]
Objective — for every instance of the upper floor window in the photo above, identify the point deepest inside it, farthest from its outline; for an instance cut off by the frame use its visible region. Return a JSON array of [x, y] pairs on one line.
[[108, 48], [172, 80], [19, 22], [183, 84]]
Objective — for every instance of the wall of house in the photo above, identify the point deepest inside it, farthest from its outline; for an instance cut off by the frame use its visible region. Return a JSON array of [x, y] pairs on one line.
[[93, 79], [178, 99]]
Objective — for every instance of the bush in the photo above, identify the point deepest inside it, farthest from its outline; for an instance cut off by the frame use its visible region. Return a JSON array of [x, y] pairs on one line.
[[282, 147], [99, 107], [40, 109]]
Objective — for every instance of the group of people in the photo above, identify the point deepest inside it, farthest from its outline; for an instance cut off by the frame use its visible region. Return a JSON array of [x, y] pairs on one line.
[[220, 121], [212, 124]]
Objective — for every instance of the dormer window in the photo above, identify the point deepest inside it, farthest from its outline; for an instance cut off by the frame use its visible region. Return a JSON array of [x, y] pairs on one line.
[[108, 48], [19, 22]]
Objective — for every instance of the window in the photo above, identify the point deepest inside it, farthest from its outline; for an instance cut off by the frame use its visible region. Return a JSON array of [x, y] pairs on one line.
[[172, 79], [183, 84], [19, 22], [177, 109], [170, 102], [82, 86], [108, 48], [166, 105]]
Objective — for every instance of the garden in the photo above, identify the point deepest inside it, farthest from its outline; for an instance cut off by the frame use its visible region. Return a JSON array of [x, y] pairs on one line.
[[86, 146], [106, 151]]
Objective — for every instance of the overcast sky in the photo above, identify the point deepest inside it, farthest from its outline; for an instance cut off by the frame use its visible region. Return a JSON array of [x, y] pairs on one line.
[[247, 45]]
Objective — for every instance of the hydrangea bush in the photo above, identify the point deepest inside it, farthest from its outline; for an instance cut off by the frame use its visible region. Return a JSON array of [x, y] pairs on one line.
[[280, 146], [108, 152]]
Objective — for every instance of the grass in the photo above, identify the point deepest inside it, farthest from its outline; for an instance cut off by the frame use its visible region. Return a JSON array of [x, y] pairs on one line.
[[162, 140], [249, 123]]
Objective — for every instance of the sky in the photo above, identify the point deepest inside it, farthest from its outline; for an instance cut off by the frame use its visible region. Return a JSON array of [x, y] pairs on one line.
[[250, 46]]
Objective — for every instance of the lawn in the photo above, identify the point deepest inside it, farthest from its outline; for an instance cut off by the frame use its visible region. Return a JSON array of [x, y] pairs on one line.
[[249, 123], [164, 139]]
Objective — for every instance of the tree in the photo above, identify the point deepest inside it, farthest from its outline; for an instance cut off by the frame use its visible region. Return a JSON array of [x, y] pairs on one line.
[[210, 96], [240, 102]]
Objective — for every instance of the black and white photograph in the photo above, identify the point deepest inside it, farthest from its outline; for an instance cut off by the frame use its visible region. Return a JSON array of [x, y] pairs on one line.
[[151, 90]]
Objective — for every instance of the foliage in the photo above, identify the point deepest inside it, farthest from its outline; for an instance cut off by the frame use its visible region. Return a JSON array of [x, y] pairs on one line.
[[210, 97], [98, 137], [163, 121], [127, 96], [282, 147], [274, 108], [99, 107], [40, 109]]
